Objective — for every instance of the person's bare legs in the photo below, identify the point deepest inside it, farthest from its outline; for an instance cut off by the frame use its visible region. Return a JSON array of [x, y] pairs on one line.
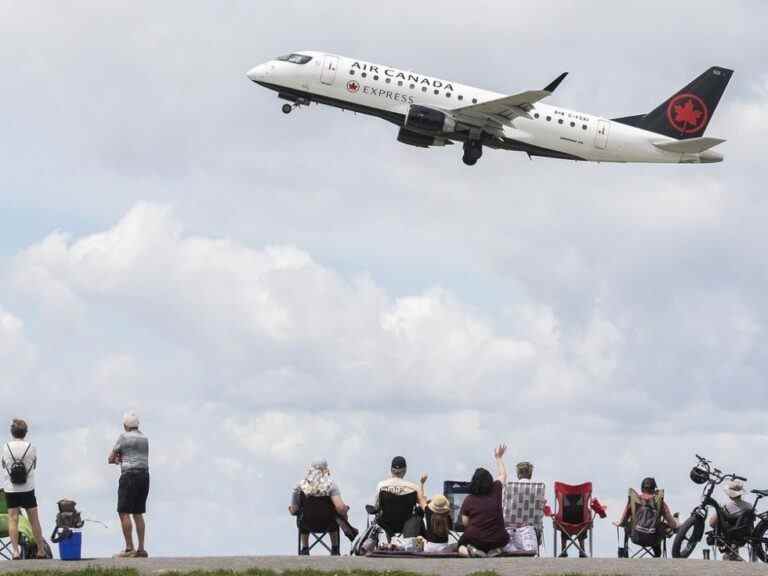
[[125, 522], [138, 519], [305, 540], [34, 520], [13, 530]]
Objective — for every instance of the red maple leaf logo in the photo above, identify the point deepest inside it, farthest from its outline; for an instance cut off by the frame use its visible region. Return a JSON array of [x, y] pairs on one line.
[[353, 86], [687, 113]]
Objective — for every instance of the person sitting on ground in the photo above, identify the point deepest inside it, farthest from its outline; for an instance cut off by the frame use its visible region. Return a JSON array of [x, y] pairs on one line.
[[648, 492], [437, 523], [524, 471], [19, 460], [481, 512], [131, 452], [735, 507], [318, 483]]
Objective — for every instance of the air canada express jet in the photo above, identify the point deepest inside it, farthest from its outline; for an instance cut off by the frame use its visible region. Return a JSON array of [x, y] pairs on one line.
[[433, 112]]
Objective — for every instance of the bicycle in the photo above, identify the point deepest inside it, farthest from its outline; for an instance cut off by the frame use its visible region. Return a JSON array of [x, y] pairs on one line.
[[731, 532]]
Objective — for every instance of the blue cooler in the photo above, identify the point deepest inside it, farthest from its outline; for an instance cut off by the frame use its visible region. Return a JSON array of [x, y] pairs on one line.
[[70, 548]]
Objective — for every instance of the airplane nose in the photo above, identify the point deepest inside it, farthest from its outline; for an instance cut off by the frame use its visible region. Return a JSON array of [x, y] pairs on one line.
[[257, 73]]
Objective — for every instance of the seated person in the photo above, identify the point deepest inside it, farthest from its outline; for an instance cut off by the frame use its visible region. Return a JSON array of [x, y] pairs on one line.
[[481, 511], [394, 486], [318, 483], [437, 524], [735, 507], [649, 493], [524, 471]]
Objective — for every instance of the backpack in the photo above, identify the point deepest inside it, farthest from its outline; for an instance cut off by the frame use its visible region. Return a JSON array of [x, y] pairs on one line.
[[67, 519], [646, 522], [18, 472]]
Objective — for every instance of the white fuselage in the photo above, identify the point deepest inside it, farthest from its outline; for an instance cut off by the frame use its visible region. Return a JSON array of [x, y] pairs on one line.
[[383, 90]]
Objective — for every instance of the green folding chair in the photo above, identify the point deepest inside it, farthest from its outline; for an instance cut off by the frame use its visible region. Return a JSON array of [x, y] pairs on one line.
[[26, 537]]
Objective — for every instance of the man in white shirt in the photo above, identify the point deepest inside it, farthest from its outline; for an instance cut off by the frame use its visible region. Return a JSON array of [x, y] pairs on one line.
[[396, 483], [19, 460]]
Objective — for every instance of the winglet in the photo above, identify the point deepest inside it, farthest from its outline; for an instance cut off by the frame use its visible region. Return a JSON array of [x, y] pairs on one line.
[[552, 86]]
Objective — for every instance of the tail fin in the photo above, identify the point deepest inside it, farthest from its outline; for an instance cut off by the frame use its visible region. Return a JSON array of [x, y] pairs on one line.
[[686, 113]]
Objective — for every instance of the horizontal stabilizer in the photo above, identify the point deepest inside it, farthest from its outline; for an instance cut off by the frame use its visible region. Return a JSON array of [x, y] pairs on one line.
[[690, 146]]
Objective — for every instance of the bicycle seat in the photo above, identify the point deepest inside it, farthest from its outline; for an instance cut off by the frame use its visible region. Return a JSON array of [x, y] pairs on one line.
[[763, 493]]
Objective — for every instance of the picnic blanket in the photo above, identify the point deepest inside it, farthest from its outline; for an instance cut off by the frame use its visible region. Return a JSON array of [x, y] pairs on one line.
[[404, 554]]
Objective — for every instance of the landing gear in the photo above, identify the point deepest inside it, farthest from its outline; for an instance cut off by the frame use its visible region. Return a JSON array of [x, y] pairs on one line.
[[287, 108], [473, 151]]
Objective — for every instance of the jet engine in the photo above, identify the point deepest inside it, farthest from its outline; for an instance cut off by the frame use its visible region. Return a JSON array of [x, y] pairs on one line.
[[424, 119], [420, 140]]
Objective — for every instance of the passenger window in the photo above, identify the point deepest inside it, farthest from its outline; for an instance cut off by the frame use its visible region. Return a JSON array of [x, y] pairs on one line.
[[412, 86], [474, 100], [423, 88], [447, 94], [437, 92], [573, 124], [375, 77], [549, 118], [351, 72], [363, 74], [399, 82], [560, 121], [388, 80], [583, 126], [461, 97], [536, 115]]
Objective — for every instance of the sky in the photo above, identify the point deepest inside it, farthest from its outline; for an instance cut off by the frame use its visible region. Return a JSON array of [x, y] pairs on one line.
[[264, 290]]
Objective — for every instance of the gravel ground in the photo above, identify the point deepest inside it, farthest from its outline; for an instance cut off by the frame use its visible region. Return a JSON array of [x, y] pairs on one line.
[[452, 567]]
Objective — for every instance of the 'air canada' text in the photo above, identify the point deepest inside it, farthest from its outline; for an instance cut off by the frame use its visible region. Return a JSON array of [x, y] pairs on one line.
[[412, 78]]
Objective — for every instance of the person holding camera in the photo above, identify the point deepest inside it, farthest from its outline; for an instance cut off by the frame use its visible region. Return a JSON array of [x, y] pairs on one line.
[[131, 452]]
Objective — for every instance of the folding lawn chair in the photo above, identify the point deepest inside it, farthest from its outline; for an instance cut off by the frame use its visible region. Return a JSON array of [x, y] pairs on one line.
[[574, 516], [317, 517], [456, 491], [393, 512], [26, 537], [524, 506]]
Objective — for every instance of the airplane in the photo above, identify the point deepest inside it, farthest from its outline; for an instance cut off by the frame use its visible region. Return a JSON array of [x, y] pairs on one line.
[[430, 111]]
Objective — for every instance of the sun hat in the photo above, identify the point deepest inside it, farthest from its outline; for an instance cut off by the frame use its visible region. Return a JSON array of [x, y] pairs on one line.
[[130, 420], [735, 489], [439, 504]]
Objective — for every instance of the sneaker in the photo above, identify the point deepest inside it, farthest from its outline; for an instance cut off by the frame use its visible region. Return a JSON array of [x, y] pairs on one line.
[[125, 554], [141, 554], [304, 552], [463, 551], [475, 552], [335, 551], [563, 554], [583, 554]]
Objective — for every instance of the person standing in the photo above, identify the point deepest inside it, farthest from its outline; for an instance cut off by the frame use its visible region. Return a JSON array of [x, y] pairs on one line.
[[19, 461], [131, 452]]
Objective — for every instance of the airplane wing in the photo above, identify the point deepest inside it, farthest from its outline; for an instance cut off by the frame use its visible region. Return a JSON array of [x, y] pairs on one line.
[[508, 107]]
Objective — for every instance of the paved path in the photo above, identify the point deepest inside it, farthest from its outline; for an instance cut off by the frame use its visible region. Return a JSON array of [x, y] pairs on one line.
[[442, 567]]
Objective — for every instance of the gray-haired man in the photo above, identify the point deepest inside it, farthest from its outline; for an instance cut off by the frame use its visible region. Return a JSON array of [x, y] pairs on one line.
[[131, 452]]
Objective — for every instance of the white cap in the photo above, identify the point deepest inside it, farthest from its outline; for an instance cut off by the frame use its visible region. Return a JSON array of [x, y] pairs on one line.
[[130, 420]]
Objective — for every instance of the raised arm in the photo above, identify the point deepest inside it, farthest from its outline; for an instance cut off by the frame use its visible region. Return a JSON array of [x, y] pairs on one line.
[[422, 493], [498, 453]]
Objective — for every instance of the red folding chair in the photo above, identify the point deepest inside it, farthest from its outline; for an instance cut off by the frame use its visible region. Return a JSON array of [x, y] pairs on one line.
[[574, 516]]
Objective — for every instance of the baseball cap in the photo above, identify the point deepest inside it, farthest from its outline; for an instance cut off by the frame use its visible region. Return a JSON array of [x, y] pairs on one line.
[[398, 462]]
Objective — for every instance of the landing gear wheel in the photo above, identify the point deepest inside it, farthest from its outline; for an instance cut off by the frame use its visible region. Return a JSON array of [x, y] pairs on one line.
[[287, 108], [473, 151]]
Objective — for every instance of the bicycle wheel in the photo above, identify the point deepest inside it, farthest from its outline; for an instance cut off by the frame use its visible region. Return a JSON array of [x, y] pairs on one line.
[[760, 540], [688, 537]]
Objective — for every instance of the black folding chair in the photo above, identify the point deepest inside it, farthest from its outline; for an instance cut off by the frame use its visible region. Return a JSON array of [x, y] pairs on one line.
[[317, 517], [393, 512]]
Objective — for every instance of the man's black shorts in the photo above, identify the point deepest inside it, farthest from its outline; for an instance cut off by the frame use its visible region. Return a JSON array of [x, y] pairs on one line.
[[24, 500], [132, 492]]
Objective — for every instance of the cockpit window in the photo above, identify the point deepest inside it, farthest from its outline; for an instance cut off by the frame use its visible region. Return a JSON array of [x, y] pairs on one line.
[[295, 58]]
